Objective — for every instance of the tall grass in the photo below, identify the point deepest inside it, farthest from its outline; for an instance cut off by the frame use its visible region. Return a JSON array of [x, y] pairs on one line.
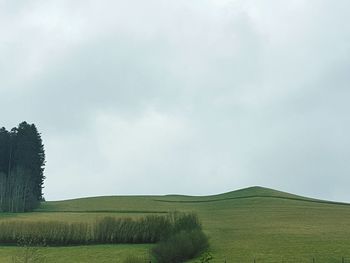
[[44, 233], [108, 230], [149, 229]]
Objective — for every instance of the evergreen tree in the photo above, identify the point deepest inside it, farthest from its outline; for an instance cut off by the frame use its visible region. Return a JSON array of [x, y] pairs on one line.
[[4, 166], [4, 150], [22, 160]]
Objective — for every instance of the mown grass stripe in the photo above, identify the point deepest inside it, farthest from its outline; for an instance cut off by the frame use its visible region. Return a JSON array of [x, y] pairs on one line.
[[253, 196], [103, 211]]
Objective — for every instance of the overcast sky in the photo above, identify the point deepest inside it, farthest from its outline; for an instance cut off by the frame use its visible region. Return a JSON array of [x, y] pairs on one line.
[[187, 96]]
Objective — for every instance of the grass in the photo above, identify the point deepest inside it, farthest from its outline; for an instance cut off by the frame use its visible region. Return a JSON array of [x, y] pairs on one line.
[[256, 222], [82, 254]]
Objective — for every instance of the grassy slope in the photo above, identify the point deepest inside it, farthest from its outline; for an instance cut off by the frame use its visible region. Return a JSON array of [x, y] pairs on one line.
[[250, 223]]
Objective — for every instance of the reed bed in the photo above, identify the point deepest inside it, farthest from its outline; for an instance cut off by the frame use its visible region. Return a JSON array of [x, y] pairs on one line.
[[107, 230]]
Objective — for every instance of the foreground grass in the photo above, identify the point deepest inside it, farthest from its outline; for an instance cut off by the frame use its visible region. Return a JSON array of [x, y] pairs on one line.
[[81, 254], [252, 223]]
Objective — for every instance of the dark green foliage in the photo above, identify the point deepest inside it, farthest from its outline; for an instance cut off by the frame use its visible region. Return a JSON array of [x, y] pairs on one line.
[[184, 241], [22, 160], [180, 247], [4, 150]]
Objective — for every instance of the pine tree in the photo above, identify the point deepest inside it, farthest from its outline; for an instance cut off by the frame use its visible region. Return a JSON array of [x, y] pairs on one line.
[[22, 160], [4, 150], [5, 145]]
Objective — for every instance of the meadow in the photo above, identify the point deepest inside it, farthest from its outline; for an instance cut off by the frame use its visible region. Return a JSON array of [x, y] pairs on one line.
[[252, 223]]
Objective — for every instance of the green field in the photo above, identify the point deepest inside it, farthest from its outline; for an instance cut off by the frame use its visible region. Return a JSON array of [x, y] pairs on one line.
[[260, 223]]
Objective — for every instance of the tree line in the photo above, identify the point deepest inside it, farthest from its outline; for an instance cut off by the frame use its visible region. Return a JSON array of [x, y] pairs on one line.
[[22, 161]]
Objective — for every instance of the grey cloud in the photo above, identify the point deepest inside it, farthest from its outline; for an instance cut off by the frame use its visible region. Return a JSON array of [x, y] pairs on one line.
[[183, 97]]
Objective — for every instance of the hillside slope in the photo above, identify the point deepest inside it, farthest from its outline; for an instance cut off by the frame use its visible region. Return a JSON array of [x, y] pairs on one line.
[[142, 204], [261, 223]]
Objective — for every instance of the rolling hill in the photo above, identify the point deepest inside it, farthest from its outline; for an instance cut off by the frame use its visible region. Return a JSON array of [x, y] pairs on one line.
[[252, 223]]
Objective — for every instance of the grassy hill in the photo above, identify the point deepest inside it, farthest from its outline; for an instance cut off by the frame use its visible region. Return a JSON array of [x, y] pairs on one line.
[[261, 223]]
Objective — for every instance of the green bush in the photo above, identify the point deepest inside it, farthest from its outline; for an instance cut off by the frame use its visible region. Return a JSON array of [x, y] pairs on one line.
[[181, 246]]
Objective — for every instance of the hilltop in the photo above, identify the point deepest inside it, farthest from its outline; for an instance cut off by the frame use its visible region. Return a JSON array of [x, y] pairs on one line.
[[150, 202]]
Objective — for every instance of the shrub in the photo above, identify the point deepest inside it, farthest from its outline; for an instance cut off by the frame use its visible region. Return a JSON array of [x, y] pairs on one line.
[[181, 246]]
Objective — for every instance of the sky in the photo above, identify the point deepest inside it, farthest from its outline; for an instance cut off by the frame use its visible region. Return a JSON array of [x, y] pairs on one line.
[[190, 97]]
